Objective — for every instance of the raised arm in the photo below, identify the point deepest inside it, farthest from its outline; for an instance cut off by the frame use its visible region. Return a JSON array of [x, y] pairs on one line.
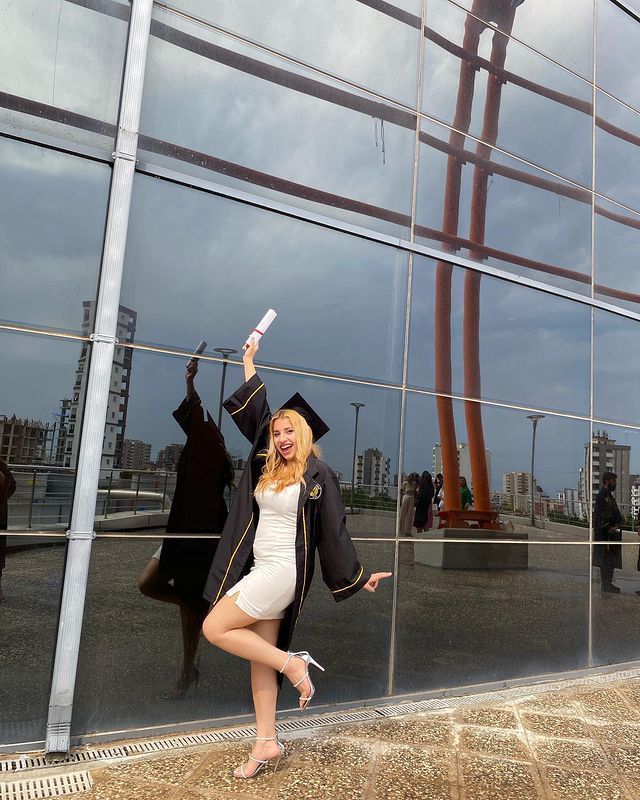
[[248, 405]]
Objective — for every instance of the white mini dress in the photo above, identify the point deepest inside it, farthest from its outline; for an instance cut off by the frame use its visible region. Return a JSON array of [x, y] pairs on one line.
[[270, 586]]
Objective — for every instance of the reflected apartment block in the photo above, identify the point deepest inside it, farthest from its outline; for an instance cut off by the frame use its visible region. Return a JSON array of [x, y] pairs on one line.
[[604, 454], [372, 472], [25, 441], [69, 437], [136, 454], [169, 456]]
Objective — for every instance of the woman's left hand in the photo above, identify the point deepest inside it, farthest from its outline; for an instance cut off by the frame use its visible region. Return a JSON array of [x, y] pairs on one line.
[[372, 584]]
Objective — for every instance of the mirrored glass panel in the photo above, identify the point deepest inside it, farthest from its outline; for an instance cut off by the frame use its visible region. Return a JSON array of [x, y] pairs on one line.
[[564, 32], [617, 255], [615, 586], [149, 483], [41, 400], [52, 216], [44, 47], [218, 265], [507, 342], [374, 45], [132, 651], [476, 613], [482, 82], [501, 211], [617, 151], [616, 368], [618, 42], [233, 114], [486, 487], [31, 570]]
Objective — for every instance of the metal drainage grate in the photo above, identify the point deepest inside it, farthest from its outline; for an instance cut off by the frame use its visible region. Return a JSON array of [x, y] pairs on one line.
[[50, 786]]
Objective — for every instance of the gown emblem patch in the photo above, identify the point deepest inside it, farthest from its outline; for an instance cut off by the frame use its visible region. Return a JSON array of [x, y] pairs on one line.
[[316, 492]]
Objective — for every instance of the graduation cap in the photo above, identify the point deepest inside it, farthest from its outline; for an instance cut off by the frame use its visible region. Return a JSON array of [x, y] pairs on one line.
[[299, 404]]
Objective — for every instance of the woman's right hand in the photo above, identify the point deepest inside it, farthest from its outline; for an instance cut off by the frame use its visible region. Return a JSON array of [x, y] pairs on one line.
[[250, 350]]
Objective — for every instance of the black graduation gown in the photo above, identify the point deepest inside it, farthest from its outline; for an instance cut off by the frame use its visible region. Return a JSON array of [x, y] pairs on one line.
[[321, 520], [198, 504], [606, 515], [7, 488]]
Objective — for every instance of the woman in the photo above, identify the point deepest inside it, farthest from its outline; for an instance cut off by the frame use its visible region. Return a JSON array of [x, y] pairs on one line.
[[408, 503], [466, 498], [424, 496], [177, 572], [288, 506]]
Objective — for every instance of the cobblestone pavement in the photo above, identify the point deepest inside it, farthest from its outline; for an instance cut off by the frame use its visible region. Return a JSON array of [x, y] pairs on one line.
[[582, 743]]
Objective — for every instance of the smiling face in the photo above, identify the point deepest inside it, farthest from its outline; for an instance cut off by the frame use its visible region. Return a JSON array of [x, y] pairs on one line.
[[284, 438]]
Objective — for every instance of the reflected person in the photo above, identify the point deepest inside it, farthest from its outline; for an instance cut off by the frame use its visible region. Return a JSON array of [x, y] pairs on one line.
[[425, 492], [7, 488], [407, 509], [607, 522], [288, 506], [466, 498], [178, 570]]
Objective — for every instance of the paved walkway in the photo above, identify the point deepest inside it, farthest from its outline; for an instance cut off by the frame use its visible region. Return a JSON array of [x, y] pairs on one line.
[[582, 743]]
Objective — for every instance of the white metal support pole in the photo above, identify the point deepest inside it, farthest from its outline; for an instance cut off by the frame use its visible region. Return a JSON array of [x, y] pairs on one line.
[[104, 340]]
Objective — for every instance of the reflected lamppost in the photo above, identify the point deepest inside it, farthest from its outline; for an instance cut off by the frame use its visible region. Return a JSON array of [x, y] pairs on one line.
[[357, 407], [534, 418], [225, 352]]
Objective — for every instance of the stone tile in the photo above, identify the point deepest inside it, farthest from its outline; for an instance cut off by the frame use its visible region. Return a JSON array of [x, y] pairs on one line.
[[626, 760], [108, 787], [334, 751], [306, 781], [217, 773], [494, 743], [487, 717], [553, 725], [490, 779], [408, 773], [567, 784], [169, 769], [631, 690], [620, 733], [607, 704], [566, 753], [433, 732], [552, 702]]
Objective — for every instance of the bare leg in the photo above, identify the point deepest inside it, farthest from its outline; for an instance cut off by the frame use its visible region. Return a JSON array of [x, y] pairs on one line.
[[230, 629], [264, 686]]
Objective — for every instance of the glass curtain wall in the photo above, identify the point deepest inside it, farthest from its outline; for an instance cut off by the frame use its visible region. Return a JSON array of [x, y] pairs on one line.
[[439, 199]]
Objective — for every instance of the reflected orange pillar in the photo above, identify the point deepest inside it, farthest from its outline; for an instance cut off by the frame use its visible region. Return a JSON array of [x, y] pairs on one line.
[[471, 324], [442, 333]]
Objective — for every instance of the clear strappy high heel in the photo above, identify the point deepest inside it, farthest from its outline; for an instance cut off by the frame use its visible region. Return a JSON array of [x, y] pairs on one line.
[[306, 657], [262, 763]]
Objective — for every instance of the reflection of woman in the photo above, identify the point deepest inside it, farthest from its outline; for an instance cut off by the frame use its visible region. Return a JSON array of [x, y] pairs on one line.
[[178, 571], [7, 488], [466, 498], [408, 502], [424, 497], [288, 506]]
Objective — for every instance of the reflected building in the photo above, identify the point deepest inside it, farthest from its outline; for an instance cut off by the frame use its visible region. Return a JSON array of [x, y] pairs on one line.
[[119, 388], [602, 455], [136, 454], [372, 472], [25, 441], [169, 456]]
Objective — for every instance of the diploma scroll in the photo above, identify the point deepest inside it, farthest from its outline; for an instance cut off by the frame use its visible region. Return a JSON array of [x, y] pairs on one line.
[[261, 328]]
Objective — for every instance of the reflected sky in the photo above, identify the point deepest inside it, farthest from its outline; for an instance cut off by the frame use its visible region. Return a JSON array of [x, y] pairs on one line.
[[52, 214]]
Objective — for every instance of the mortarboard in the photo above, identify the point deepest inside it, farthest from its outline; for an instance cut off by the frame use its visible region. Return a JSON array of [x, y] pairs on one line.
[[298, 403]]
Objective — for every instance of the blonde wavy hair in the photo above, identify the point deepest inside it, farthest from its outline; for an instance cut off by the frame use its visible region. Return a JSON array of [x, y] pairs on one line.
[[277, 470]]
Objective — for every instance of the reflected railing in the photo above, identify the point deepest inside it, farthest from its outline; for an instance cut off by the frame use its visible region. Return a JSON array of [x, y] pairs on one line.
[[44, 495]]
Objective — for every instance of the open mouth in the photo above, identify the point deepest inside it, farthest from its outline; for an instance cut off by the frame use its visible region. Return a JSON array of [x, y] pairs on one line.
[[285, 449]]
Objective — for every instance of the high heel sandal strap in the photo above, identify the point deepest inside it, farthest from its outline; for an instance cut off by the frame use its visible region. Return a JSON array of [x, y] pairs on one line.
[[305, 677], [286, 663]]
